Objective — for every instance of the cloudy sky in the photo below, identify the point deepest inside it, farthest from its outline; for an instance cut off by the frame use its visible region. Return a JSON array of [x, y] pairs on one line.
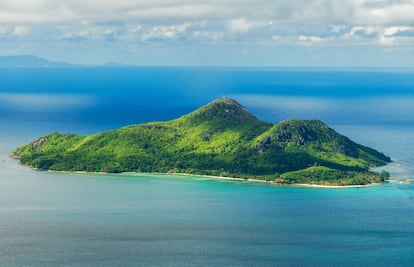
[[212, 32]]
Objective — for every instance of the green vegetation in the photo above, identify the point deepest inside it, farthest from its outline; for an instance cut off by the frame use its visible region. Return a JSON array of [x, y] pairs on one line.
[[320, 175], [221, 139]]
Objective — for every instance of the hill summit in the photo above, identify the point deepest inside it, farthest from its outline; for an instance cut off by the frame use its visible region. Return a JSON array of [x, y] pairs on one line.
[[221, 138], [225, 109]]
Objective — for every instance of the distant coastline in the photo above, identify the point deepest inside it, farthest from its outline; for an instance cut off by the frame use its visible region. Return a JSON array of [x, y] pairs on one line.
[[219, 178]]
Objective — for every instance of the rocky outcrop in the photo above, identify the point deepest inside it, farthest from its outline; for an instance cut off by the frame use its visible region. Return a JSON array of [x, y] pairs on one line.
[[264, 144], [39, 142]]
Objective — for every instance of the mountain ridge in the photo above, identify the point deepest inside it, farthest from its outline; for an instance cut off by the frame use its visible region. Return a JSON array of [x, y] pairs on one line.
[[31, 61], [221, 138]]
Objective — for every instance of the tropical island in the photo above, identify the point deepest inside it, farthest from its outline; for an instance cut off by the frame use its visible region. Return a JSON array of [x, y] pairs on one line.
[[219, 139]]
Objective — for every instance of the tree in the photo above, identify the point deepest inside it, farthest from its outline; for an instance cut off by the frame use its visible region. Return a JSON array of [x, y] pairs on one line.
[[384, 175]]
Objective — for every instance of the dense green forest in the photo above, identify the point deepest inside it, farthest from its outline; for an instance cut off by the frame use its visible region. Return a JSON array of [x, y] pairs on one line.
[[221, 139]]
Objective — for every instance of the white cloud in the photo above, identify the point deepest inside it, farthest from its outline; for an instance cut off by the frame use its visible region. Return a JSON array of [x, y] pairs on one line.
[[308, 40], [300, 40], [135, 29], [238, 16], [338, 28], [20, 31], [208, 35], [109, 35], [387, 41], [166, 32], [399, 30], [240, 25], [383, 12], [362, 12], [363, 31], [75, 37]]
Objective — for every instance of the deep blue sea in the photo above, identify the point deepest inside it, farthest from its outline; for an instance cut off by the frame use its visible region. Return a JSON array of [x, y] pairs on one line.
[[56, 219]]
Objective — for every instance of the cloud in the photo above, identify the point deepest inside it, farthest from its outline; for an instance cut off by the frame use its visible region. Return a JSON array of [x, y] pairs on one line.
[[337, 29], [399, 31], [166, 32], [364, 32], [109, 36], [383, 12], [348, 12], [20, 31], [242, 24], [44, 102], [309, 40], [208, 35], [76, 37], [239, 17], [135, 29]]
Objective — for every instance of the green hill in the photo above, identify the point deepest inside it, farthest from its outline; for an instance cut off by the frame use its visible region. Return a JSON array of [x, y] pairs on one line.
[[221, 139]]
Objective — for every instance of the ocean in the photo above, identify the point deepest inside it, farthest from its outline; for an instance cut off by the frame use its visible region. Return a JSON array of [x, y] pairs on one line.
[[58, 219]]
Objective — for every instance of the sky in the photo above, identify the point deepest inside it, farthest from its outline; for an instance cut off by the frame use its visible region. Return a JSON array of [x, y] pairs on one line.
[[322, 33]]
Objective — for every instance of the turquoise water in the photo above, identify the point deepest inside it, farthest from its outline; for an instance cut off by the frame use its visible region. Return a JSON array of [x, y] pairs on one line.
[[52, 219]]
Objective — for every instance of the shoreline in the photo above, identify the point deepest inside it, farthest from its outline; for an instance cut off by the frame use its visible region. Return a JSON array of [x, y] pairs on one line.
[[218, 178], [338, 186], [222, 178]]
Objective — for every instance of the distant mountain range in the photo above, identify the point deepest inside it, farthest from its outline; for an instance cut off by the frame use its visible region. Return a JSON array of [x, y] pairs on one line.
[[30, 61], [220, 139]]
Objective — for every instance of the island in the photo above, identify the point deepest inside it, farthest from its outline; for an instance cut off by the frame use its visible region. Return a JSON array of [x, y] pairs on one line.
[[220, 139], [30, 61]]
